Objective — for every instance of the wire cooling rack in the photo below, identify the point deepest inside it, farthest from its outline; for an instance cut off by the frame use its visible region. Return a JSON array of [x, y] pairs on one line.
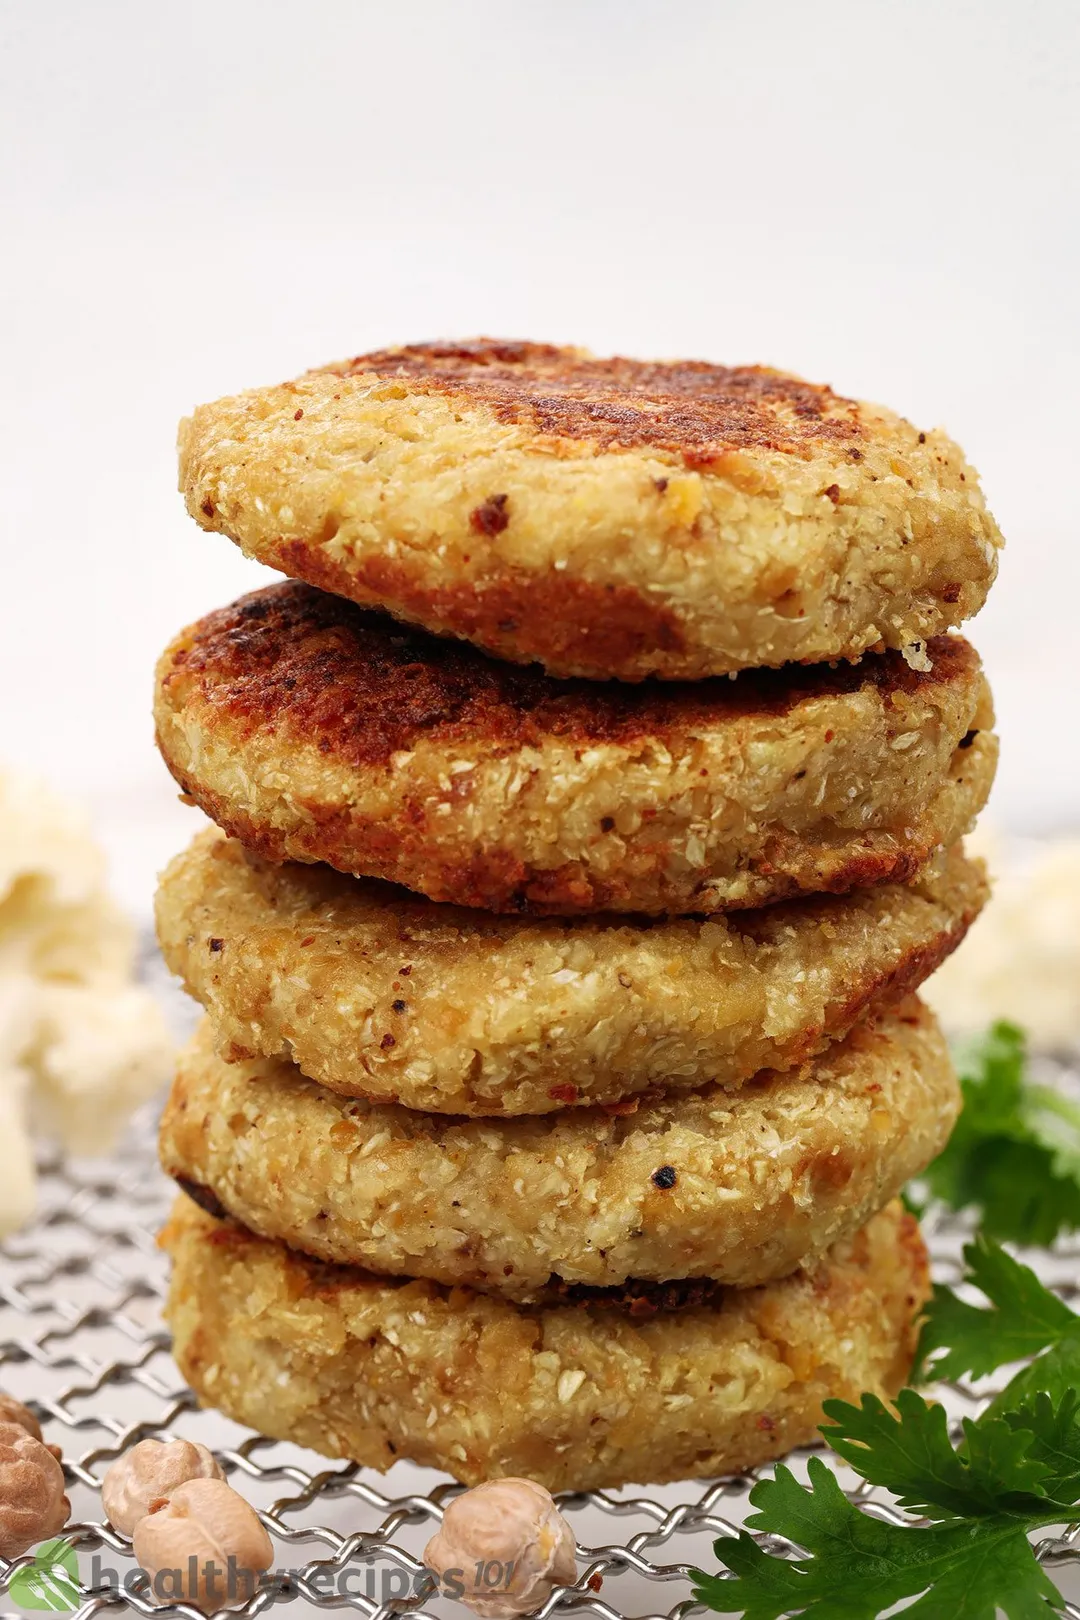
[[81, 1339]]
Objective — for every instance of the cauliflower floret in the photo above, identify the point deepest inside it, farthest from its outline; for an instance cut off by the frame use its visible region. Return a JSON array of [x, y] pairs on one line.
[[80, 1043], [1021, 960]]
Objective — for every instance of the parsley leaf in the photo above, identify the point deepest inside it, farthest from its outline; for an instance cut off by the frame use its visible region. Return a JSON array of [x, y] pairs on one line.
[[1015, 1152], [1023, 1320]]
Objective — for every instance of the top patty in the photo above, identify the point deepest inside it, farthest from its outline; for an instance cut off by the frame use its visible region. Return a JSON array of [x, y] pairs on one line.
[[606, 518], [314, 731]]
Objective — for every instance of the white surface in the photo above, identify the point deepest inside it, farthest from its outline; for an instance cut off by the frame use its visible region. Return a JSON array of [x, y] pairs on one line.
[[202, 197]]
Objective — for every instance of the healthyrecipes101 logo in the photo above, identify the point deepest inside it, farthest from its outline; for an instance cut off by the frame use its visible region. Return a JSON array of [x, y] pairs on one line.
[[52, 1581]]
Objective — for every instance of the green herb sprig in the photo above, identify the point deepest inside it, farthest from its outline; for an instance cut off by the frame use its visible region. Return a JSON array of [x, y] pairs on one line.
[[1015, 1153], [1015, 1470]]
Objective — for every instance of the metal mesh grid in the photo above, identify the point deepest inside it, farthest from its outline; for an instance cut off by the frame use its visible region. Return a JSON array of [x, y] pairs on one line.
[[82, 1340]]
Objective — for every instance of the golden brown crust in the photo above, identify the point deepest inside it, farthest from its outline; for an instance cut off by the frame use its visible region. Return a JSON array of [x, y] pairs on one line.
[[314, 731], [607, 518], [565, 623], [683, 1189], [375, 992], [692, 409], [577, 1398], [310, 664]]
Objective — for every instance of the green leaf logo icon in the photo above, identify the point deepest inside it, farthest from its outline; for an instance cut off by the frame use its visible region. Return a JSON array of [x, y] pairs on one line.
[[51, 1581]]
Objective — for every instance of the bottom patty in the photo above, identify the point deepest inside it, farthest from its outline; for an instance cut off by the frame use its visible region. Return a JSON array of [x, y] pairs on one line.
[[740, 1188], [582, 1396]]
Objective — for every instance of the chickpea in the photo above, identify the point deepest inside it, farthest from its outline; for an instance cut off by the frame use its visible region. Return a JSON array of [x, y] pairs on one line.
[[507, 1543]]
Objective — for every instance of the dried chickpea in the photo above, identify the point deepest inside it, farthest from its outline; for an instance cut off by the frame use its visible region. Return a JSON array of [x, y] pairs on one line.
[[506, 1544], [148, 1474], [189, 1544], [32, 1501]]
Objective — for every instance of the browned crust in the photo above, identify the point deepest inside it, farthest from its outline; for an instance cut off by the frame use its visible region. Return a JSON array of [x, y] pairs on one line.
[[327, 1279], [637, 1298], [916, 1261], [205, 1198], [497, 881], [573, 887], [687, 408], [551, 617], [303, 662], [292, 668]]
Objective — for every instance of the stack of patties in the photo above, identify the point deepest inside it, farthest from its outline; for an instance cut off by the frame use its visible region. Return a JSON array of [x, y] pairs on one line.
[[562, 1065]]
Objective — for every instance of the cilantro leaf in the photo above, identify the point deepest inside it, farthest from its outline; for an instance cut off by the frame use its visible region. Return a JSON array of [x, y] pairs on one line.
[[856, 1567], [1015, 1470], [1023, 1320], [908, 1450], [992, 1574], [1015, 1151], [1051, 1436], [1055, 1120], [1023, 1317]]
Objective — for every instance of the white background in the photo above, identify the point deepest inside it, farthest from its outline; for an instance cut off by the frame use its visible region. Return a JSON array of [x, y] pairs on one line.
[[204, 196]]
